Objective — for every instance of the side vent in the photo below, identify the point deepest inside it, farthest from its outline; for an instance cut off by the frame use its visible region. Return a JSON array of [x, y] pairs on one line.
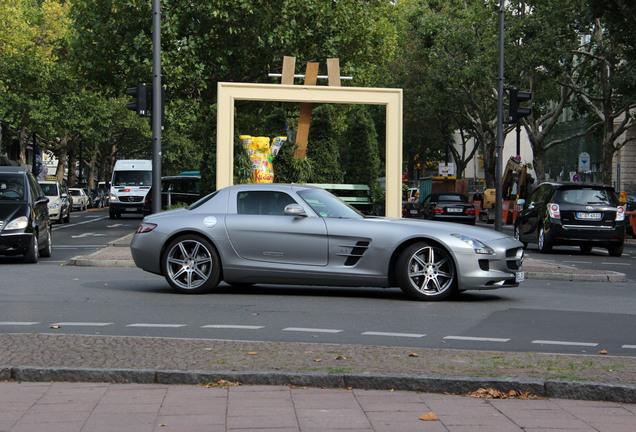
[[356, 252]]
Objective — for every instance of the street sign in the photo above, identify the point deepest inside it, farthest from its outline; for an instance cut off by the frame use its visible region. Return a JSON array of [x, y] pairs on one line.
[[585, 162]]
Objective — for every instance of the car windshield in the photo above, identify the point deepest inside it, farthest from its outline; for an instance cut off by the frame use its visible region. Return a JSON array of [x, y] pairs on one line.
[[587, 196], [452, 198], [11, 188], [50, 189], [132, 178], [327, 205]]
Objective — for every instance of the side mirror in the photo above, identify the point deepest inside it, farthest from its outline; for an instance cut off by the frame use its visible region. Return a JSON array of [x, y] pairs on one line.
[[64, 195], [42, 200], [294, 210]]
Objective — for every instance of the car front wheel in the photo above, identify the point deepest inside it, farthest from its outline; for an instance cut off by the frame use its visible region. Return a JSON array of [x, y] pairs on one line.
[[426, 272], [33, 253], [544, 243], [191, 265], [517, 235], [47, 248]]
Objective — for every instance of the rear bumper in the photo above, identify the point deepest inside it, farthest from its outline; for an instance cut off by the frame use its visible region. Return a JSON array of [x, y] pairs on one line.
[[577, 235]]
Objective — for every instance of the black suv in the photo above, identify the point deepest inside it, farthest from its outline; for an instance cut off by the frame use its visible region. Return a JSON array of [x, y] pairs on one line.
[[572, 214], [24, 215]]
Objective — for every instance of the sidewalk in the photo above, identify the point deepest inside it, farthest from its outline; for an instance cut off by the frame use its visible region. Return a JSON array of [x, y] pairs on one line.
[[104, 383]]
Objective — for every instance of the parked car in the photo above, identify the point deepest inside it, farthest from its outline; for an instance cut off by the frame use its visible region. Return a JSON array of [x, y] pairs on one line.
[[59, 209], [448, 207], [575, 214], [24, 215], [69, 198], [80, 199], [96, 199], [303, 235]]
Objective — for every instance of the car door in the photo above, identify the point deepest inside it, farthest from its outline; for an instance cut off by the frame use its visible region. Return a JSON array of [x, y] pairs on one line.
[[530, 214], [260, 231]]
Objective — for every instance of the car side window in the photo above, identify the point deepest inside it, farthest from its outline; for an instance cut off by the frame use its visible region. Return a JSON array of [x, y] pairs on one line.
[[263, 202], [34, 189]]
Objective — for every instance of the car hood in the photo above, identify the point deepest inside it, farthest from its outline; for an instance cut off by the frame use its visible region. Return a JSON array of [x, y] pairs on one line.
[[417, 225], [10, 211]]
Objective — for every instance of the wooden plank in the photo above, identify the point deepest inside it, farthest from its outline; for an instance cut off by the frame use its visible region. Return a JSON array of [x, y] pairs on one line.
[[289, 66], [333, 72], [304, 119]]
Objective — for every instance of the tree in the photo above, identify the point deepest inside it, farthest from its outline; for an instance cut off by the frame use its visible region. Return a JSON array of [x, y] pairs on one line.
[[360, 159], [322, 147]]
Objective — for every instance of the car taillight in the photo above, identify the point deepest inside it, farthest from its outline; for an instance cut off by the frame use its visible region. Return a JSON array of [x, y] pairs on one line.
[[554, 211], [470, 211], [620, 213], [146, 227], [438, 210]]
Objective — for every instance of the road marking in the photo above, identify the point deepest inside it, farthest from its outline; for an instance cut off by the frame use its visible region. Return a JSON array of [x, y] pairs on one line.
[[78, 246], [578, 262], [629, 346], [477, 339], [411, 335], [616, 263], [156, 325], [311, 330], [229, 326], [18, 323], [88, 324], [57, 227], [88, 234], [549, 342]]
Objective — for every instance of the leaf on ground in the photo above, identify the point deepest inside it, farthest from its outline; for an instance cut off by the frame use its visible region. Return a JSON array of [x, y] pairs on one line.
[[341, 357], [252, 353], [221, 384], [430, 416], [414, 354], [490, 393]]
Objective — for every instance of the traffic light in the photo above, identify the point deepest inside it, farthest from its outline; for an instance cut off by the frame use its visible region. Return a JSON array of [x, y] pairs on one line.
[[516, 97], [141, 98]]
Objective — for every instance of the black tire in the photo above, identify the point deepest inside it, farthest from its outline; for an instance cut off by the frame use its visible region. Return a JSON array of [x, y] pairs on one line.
[[111, 214], [616, 250], [586, 249], [516, 233], [426, 272], [544, 243], [47, 249], [191, 265], [33, 254]]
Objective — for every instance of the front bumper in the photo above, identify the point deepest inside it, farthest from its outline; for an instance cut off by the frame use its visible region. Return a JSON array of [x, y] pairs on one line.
[[15, 244]]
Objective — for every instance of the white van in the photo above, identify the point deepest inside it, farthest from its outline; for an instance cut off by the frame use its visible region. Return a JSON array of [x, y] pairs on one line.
[[129, 186]]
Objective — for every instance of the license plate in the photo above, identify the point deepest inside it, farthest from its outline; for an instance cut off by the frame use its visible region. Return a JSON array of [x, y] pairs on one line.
[[130, 209], [588, 216], [454, 210], [413, 211], [520, 276]]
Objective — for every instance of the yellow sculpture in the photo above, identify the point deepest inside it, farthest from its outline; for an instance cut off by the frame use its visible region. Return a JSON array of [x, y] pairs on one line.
[[261, 156]]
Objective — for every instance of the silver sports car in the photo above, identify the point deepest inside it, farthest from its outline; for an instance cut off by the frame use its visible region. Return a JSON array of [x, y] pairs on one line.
[[295, 234]]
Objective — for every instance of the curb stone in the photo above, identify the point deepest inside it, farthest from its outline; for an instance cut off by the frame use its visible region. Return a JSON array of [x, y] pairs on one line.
[[425, 384]]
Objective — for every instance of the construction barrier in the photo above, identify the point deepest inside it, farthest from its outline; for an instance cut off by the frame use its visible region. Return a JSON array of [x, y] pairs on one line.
[[505, 208]]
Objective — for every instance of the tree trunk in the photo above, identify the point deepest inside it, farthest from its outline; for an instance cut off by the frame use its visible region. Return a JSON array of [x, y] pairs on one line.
[[61, 158]]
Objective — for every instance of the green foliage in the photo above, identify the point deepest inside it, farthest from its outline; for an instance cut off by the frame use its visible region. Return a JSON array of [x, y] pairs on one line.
[[360, 160], [322, 148]]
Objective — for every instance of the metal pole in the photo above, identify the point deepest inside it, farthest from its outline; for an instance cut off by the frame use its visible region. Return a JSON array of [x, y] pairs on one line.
[[500, 90], [156, 106], [519, 140]]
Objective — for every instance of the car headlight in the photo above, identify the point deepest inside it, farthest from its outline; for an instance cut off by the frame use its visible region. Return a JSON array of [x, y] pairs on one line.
[[478, 246], [20, 223], [113, 197], [54, 205]]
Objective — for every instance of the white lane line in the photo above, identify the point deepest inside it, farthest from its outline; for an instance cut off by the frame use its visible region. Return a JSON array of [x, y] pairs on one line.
[[229, 326], [578, 262], [477, 339], [311, 330], [616, 263], [629, 346], [57, 227], [18, 323], [567, 343], [156, 325], [88, 324], [411, 335]]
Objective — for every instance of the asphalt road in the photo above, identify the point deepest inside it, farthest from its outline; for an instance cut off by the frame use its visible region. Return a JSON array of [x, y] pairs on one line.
[[539, 316]]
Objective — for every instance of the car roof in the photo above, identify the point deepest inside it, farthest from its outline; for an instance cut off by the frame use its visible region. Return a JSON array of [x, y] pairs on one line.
[[12, 169]]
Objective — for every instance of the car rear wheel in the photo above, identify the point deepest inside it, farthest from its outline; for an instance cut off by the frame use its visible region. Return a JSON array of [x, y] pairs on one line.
[[32, 255], [545, 245], [191, 265], [426, 272], [616, 250]]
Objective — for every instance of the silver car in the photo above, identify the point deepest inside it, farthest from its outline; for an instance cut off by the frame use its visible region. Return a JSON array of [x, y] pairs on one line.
[[295, 234]]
